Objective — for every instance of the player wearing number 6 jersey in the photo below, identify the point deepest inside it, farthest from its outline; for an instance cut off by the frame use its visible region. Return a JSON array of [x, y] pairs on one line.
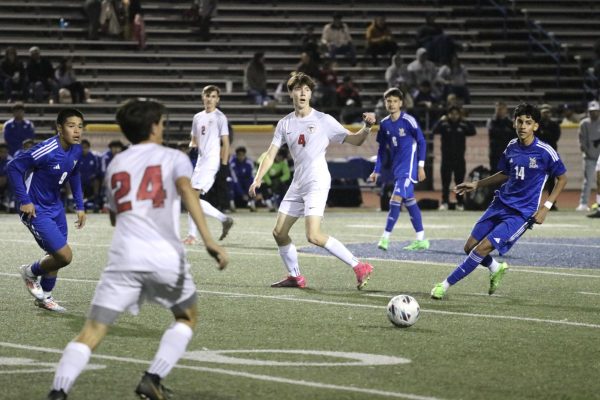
[[37, 176], [524, 167], [146, 261], [308, 132]]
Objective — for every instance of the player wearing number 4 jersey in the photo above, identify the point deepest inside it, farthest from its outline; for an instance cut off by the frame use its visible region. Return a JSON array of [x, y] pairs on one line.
[[308, 132], [524, 167], [146, 260], [37, 176]]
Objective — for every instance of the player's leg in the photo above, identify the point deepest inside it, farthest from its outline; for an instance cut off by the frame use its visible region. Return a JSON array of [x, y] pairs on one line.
[[192, 229], [211, 211], [393, 214], [446, 173], [287, 249], [420, 243]]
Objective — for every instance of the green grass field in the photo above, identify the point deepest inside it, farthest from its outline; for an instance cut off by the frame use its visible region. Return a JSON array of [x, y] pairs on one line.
[[538, 338]]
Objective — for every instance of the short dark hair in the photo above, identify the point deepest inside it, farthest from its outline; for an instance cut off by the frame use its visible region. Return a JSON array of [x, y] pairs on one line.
[[240, 149], [17, 106], [529, 110], [136, 117], [393, 92], [116, 143], [299, 79], [453, 108], [85, 141], [67, 113]]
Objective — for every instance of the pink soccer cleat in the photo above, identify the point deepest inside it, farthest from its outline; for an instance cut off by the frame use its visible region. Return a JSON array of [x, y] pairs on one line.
[[291, 282], [189, 240], [363, 273]]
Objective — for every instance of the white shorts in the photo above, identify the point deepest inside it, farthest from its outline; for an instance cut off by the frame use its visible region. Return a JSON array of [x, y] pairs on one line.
[[598, 165], [297, 204], [204, 174], [120, 291]]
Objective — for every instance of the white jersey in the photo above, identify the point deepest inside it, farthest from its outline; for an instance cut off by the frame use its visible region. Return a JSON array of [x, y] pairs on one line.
[[308, 139], [207, 129], [141, 189]]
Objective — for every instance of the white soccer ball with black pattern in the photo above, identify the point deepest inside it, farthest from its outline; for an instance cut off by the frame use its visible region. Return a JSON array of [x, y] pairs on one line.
[[403, 311]]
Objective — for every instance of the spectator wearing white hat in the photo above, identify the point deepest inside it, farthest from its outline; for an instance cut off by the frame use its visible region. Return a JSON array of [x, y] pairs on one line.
[[421, 69], [589, 143]]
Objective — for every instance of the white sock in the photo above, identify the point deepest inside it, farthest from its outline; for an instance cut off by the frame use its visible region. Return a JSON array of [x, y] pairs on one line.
[[494, 266], [212, 211], [598, 198], [172, 346], [386, 234], [446, 284], [192, 228], [421, 235], [47, 294], [74, 359], [289, 255], [336, 248]]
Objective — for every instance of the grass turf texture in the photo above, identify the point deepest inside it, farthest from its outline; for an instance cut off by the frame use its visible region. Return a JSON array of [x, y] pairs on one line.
[[523, 342]]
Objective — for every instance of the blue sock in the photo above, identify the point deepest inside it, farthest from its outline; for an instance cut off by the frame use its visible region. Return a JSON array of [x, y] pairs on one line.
[[36, 269], [415, 214], [392, 215], [464, 269], [47, 283]]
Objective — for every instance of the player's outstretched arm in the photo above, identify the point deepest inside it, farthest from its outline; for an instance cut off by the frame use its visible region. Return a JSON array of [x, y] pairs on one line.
[[264, 166], [359, 137], [540, 215], [192, 203], [494, 180]]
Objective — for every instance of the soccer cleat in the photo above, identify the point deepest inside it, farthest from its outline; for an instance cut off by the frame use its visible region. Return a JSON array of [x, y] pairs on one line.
[[189, 240], [595, 206], [50, 304], [227, 224], [438, 291], [291, 281], [443, 207], [363, 273], [595, 214], [418, 245], [384, 243], [582, 207], [496, 277], [150, 388], [460, 207], [56, 395], [32, 284]]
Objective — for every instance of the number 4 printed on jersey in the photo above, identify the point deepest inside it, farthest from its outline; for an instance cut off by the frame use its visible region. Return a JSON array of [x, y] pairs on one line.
[[302, 140], [151, 188]]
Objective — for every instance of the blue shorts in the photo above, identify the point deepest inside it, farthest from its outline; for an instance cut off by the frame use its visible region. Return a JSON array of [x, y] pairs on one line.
[[404, 188], [501, 225], [49, 228]]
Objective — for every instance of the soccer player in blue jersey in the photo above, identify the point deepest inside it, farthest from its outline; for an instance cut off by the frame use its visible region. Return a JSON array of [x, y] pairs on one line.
[[400, 133], [523, 169], [37, 176]]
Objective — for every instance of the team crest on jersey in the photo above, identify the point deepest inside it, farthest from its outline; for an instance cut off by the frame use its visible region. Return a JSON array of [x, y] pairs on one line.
[[74, 163], [311, 128], [532, 162], [401, 132]]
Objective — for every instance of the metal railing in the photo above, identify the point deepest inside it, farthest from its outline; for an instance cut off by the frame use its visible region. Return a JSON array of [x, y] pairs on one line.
[[543, 40]]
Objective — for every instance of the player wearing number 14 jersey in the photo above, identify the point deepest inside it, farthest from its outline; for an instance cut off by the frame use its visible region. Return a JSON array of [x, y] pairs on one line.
[[37, 176]]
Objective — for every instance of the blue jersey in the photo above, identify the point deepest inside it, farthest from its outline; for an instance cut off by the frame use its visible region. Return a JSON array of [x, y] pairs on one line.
[[527, 168], [406, 144], [241, 173], [89, 167], [15, 132], [38, 174]]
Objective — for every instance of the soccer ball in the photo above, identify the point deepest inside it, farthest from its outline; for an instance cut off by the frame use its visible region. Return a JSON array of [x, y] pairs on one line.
[[403, 311]]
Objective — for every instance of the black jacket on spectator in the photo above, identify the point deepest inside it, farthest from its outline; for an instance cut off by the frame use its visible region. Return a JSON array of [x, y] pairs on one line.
[[549, 132], [500, 131], [454, 136], [40, 71]]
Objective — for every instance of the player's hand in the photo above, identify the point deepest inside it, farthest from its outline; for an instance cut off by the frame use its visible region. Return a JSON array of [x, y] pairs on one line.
[[252, 190], [28, 210], [373, 177], [540, 215], [465, 187], [369, 119], [218, 253], [421, 175], [81, 218]]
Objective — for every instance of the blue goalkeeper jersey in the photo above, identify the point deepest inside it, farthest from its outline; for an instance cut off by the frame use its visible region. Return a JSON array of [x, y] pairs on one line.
[[406, 143], [527, 168], [38, 174]]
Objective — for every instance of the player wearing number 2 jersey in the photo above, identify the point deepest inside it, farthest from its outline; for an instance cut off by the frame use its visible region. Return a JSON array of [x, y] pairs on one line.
[[145, 186], [308, 132], [524, 167], [37, 176]]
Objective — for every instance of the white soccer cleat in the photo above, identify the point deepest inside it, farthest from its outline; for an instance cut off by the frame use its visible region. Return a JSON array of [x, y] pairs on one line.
[[32, 283], [50, 304], [582, 207]]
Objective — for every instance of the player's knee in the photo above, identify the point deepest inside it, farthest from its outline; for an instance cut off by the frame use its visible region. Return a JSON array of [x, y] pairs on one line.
[[315, 238], [467, 248], [63, 257]]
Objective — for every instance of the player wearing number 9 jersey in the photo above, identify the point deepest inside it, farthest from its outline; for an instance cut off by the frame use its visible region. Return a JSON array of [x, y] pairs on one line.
[[145, 186], [37, 176]]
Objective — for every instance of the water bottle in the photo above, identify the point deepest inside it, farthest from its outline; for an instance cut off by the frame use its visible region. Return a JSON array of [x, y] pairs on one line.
[[62, 23]]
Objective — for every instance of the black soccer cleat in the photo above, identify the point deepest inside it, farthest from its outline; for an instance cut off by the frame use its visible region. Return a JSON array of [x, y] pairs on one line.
[[150, 388], [56, 395]]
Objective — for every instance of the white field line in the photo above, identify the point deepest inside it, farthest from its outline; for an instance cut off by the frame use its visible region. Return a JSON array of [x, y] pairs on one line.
[[336, 303], [241, 374], [589, 293]]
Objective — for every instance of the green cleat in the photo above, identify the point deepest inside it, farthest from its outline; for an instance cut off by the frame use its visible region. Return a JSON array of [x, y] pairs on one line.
[[418, 245], [384, 243], [438, 291], [496, 277]]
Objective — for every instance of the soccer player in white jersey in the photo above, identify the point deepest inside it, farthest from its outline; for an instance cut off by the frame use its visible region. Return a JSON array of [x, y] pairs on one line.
[[308, 132], [146, 260], [209, 130]]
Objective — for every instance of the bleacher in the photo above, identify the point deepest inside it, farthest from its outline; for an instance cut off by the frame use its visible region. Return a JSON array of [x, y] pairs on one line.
[[175, 65]]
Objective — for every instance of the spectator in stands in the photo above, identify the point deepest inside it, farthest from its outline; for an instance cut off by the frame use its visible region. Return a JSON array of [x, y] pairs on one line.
[[89, 170], [308, 65], [242, 173], [17, 129], [71, 90], [277, 179], [421, 69], [426, 104], [135, 27], [589, 143], [336, 37], [454, 131], [4, 187], [431, 36], [328, 83], [349, 101], [570, 115], [380, 40], [500, 132], [309, 43], [112, 17], [396, 73], [92, 9], [549, 132], [453, 78], [13, 75], [27, 144], [206, 10], [41, 76], [255, 79]]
